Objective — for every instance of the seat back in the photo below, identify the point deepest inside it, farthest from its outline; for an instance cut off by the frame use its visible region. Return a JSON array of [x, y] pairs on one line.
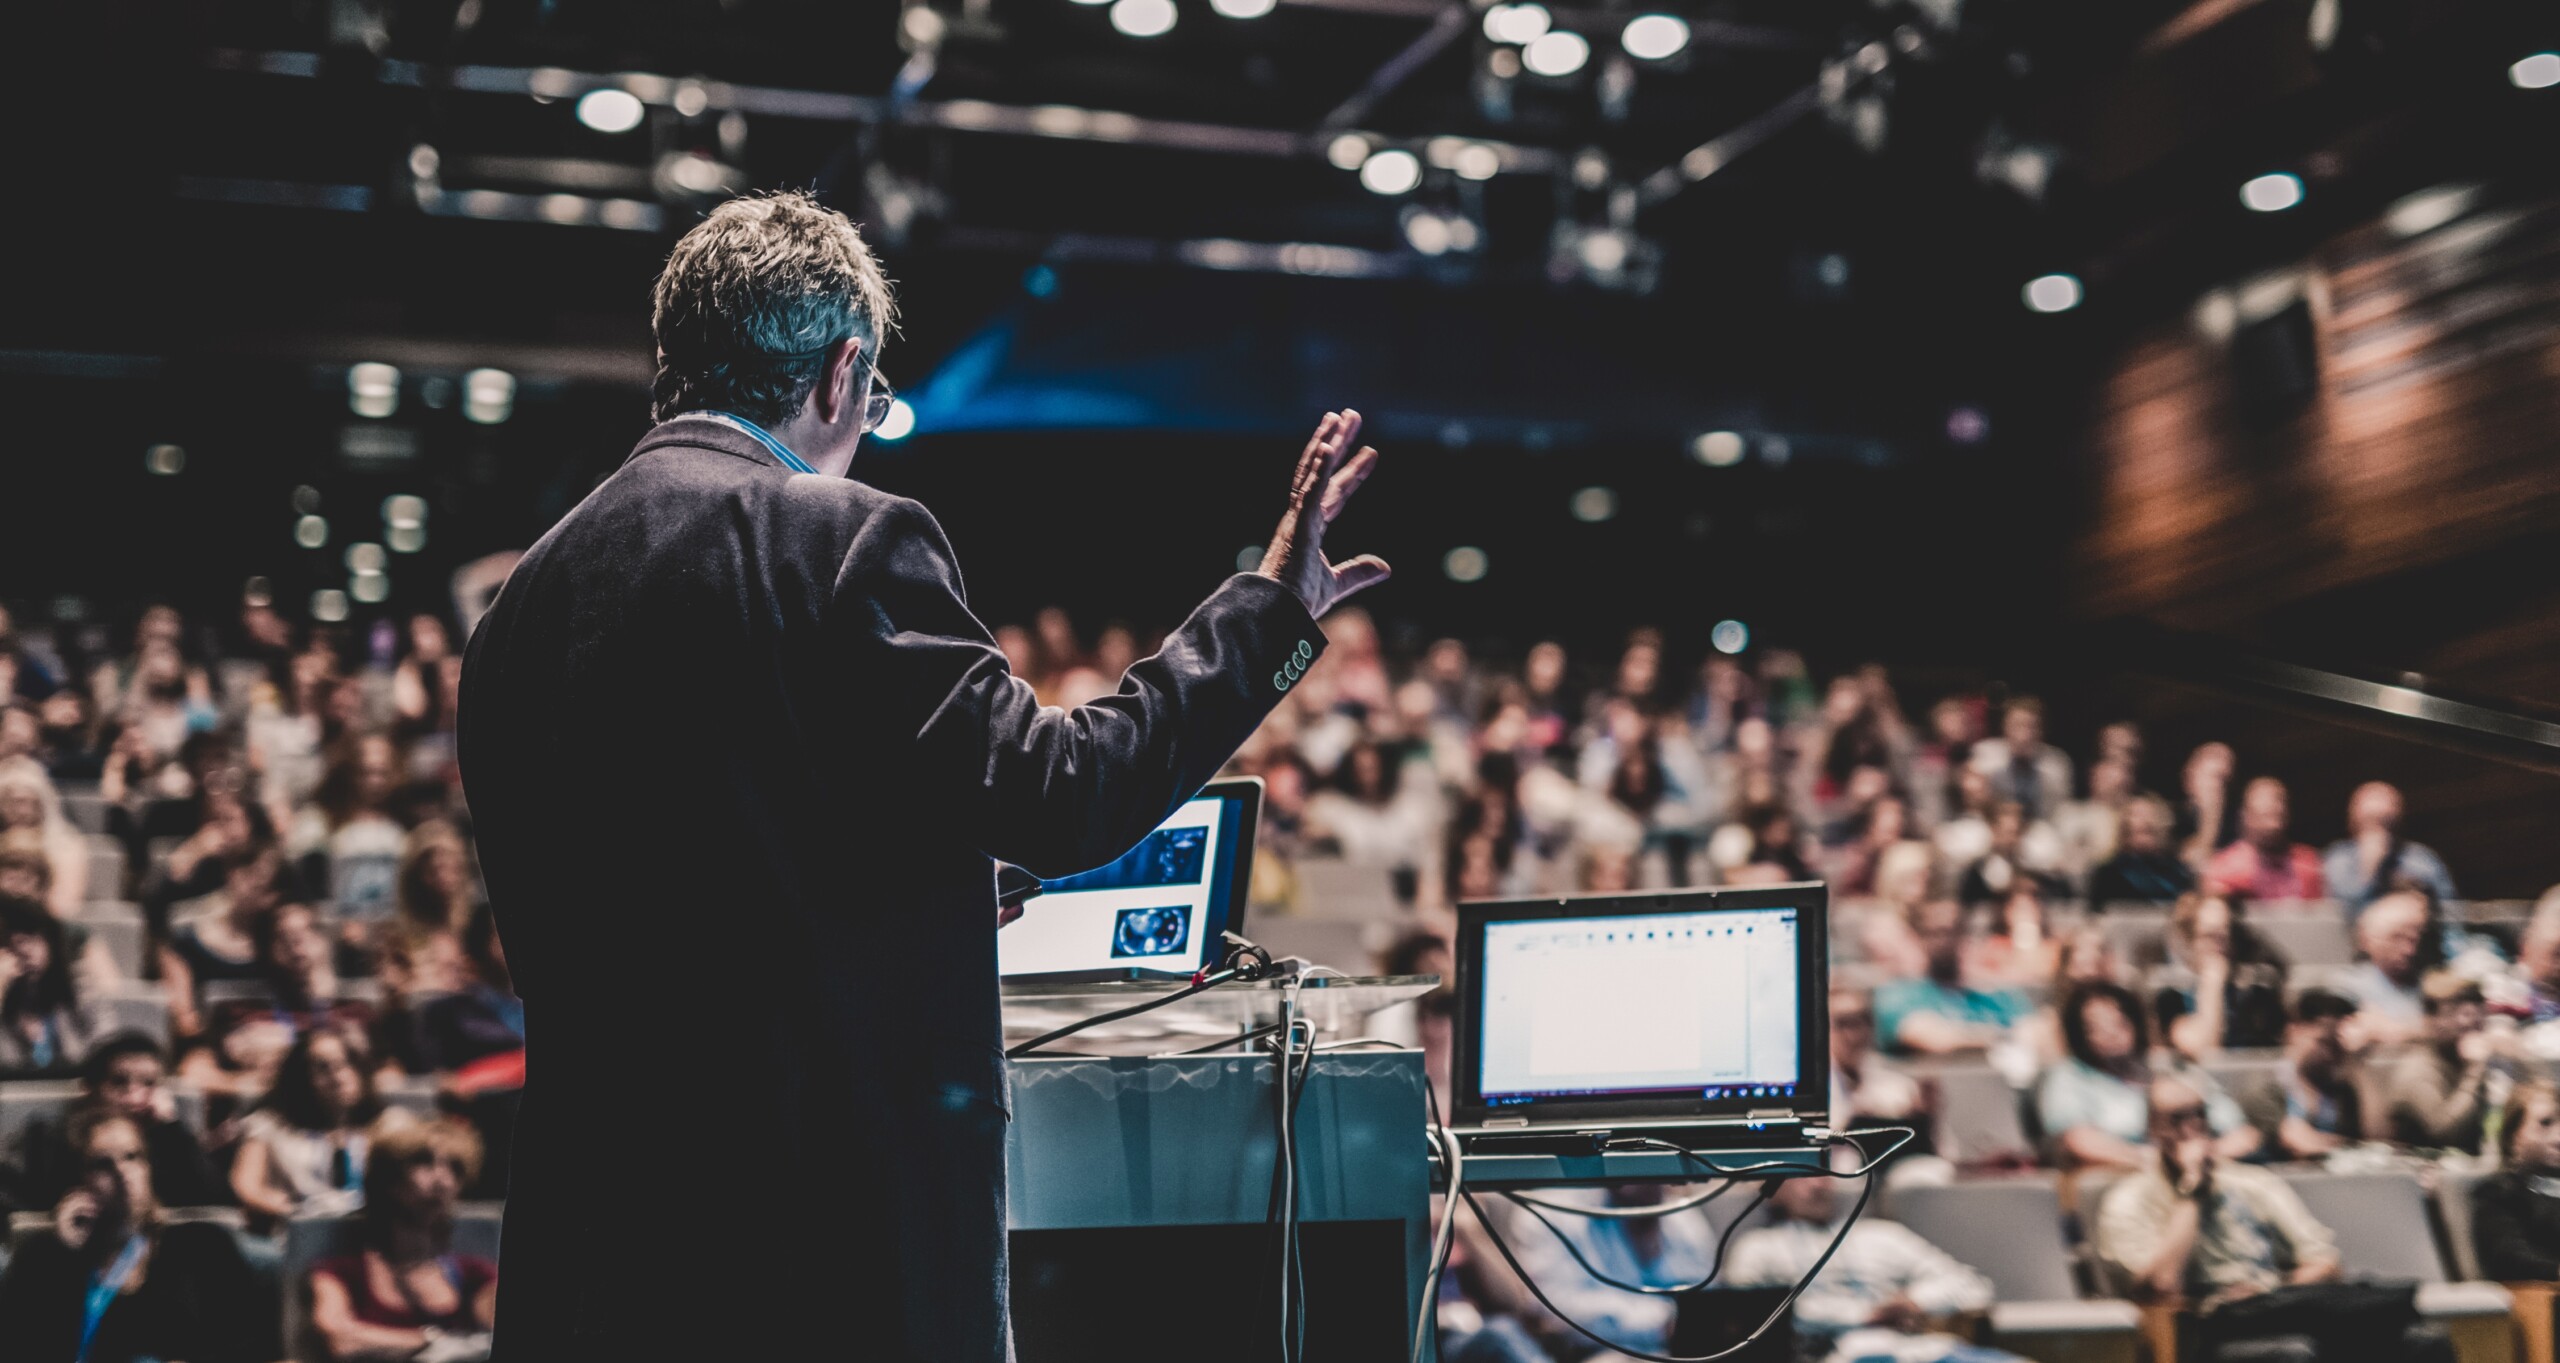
[[106, 867], [2239, 1072], [1341, 944], [2453, 1203], [23, 1101], [118, 927], [310, 1239], [2379, 1219], [132, 1006], [1344, 891], [2311, 935], [2138, 935], [2008, 1229], [1980, 1118]]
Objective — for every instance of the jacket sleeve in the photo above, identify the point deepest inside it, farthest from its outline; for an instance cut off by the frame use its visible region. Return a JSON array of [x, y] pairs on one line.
[[2502, 1232], [1051, 790]]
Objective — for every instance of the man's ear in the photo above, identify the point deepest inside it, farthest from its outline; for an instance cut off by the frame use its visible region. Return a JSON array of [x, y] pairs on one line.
[[835, 384]]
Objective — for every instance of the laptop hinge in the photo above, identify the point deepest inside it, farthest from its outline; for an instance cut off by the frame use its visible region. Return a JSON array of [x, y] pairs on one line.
[[1491, 1122], [1771, 1114]]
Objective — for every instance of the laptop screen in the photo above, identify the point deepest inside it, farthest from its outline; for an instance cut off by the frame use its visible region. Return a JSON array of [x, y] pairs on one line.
[[1695, 1003], [1159, 907]]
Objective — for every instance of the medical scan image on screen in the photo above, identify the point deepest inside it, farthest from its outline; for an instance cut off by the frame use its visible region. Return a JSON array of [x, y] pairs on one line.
[[1147, 908], [1691, 1004]]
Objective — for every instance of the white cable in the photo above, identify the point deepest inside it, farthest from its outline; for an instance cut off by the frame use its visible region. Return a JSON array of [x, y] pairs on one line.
[[1455, 1161]]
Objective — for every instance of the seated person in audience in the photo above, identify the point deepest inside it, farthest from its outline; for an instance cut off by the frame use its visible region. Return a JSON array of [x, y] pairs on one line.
[[1943, 1012], [2392, 937], [2092, 1104], [1864, 1085], [1878, 1296], [234, 828], [2194, 1227], [2312, 1105], [43, 1029], [123, 1073], [2373, 859], [2223, 985], [30, 809], [406, 1294], [2434, 1095], [2090, 829], [303, 1148], [222, 943], [2022, 766], [2536, 977], [112, 1282], [2266, 863], [2017, 946], [2146, 868], [2515, 1217], [2021, 856]]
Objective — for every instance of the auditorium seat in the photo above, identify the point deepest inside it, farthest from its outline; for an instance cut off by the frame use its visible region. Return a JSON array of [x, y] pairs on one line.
[[1980, 1118], [1344, 891], [132, 1006], [2139, 935], [2380, 1220], [2239, 1071], [1343, 945], [106, 867], [414, 1093], [118, 928], [24, 1100], [2314, 934], [85, 809], [2533, 1301], [310, 1239], [2010, 1230]]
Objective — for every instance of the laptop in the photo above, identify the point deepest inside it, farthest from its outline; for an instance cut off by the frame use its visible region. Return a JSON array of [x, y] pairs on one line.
[[1154, 913], [1698, 1017]]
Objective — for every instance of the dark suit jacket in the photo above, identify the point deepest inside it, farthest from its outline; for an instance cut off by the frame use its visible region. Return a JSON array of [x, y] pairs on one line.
[[738, 756]]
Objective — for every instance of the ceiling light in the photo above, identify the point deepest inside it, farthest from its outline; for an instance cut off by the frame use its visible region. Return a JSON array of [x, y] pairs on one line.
[[1348, 151], [1730, 636], [2052, 293], [373, 389], [1593, 505], [488, 396], [165, 460], [311, 531], [328, 605], [2540, 71], [1521, 23], [1142, 18], [611, 110], [1556, 53], [1466, 563], [1243, 9], [1427, 232], [1718, 449], [1652, 37], [2272, 193], [1392, 171], [1476, 161]]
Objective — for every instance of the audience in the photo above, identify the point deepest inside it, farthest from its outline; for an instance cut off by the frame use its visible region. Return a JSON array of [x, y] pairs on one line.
[[43, 1029], [2373, 859], [114, 1282], [2093, 1105], [1880, 1297], [2515, 1217], [2312, 1106], [2435, 1095], [2145, 868], [2393, 940], [304, 1147], [2266, 863], [1942, 1012], [405, 1294], [126, 1074], [2223, 986]]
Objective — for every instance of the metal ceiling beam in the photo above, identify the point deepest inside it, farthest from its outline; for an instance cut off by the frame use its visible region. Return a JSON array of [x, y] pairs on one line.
[[1447, 26], [1837, 79]]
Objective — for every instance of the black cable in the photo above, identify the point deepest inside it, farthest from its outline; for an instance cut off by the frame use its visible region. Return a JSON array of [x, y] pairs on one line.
[[1493, 1233], [1240, 1039], [1715, 1266], [1200, 986]]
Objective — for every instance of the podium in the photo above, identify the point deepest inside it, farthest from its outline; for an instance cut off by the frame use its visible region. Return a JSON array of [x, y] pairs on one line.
[[1140, 1185]]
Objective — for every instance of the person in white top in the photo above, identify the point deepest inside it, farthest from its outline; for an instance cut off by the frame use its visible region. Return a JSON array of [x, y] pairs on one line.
[[1877, 1297]]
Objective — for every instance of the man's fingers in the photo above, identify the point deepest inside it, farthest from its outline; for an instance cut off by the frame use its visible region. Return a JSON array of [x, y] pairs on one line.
[[1348, 481], [1311, 460], [1346, 438], [1361, 573]]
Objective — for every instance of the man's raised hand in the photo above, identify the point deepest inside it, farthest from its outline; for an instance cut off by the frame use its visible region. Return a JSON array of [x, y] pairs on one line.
[[1328, 473]]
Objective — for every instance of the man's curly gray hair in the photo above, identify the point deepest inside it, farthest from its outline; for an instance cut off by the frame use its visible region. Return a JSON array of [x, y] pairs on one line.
[[751, 301]]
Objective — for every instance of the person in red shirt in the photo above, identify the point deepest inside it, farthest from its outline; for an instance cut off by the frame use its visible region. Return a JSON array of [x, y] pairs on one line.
[[406, 1294], [2266, 864]]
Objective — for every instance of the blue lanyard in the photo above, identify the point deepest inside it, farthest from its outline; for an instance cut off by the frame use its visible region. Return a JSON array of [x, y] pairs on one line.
[[104, 1289], [782, 452]]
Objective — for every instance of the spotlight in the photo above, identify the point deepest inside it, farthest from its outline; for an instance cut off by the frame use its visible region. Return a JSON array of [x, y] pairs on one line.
[[1717, 449], [610, 110], [406, 539], [1730, 636], [311, 531], [899, 423], [2272, 193], [1556, 53], [488, 395], [1653, 37], [1593, 505], [306, 499], [373, 389], [1604, 251], [1392, 171], [2540, 71], [1466, 563], [328, 605], [365, 558], [165, 460], [1142, 18], [2052, 293], [370, 588], [404, 508], [1243, 9], [1348, 152], [1476, 161], [1427, 232], [1517, 24]]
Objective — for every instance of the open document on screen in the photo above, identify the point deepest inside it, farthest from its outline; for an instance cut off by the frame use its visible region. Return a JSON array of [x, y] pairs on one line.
[[1147, 909], [1702, 1004]]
